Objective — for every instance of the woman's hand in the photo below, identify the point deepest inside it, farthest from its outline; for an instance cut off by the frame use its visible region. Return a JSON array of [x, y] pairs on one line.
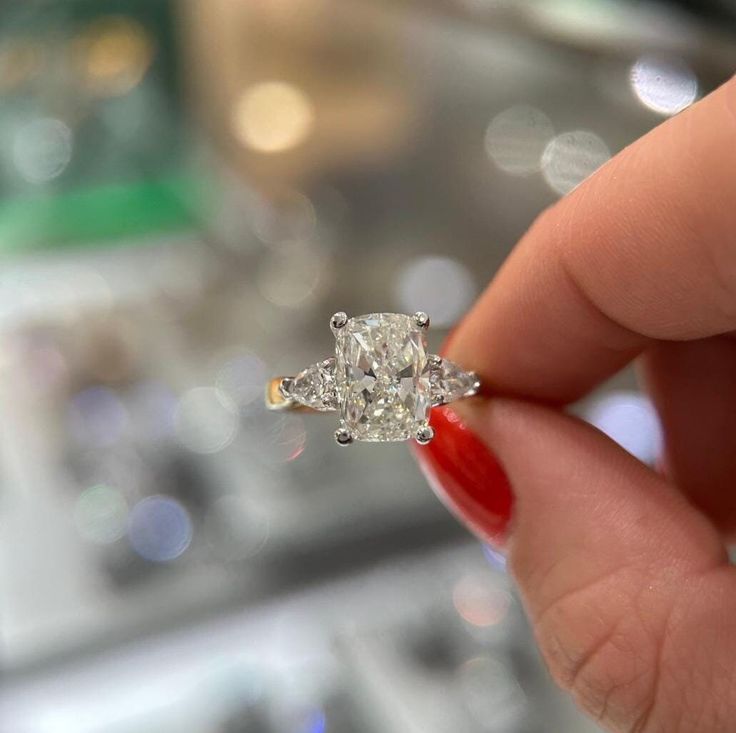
[[624, 572]]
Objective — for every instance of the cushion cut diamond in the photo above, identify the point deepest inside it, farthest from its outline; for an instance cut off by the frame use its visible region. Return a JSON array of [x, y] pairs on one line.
[[382, 376]]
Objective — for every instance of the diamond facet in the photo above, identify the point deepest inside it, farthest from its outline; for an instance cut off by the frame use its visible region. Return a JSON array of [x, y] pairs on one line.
[[449, 382], [382, 377], [315, 386]]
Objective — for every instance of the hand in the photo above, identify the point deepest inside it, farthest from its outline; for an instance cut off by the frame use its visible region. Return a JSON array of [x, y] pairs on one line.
[[624, 572]]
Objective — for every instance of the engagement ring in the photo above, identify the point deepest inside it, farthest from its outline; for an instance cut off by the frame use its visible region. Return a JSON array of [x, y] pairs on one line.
[[381, 380]]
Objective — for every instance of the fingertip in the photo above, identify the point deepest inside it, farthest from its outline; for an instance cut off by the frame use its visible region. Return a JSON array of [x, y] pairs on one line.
[[467, 477], [602, 548]]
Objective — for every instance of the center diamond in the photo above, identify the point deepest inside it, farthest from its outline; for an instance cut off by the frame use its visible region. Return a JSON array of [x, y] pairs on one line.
[[382, 376]]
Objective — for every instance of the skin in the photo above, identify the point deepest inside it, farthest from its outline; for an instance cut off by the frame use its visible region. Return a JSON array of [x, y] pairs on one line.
[[624, 571]]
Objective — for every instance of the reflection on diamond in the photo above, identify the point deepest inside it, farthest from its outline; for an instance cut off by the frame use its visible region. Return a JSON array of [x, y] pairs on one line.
[[382, 376]]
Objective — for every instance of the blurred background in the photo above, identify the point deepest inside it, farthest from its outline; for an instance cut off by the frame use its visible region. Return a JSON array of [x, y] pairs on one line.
[[188, 190]]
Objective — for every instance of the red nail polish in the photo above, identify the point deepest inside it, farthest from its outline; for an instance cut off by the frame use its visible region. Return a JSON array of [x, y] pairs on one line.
[[467, 477]]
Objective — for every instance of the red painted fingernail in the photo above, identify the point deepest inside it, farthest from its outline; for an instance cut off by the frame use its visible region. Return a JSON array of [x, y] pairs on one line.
[[466, 477]]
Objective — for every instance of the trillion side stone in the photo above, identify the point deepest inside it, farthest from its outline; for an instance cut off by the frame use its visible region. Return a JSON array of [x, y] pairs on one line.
[[449, 382], [382, 376], [315, 386]]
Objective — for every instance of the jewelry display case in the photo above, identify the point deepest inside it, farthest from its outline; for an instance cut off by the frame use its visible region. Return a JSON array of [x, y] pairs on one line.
[[188, 191]]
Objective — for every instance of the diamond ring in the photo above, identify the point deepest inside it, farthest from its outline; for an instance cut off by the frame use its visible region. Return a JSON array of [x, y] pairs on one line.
[[381, 380]]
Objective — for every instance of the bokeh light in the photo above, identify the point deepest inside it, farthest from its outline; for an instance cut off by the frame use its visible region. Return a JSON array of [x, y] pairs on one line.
[[45, 365], [631, 420], [272, 436], [666, 86], [159, 528], [42, 149], [298, 712], [112, 55], [290, 216], [285, 439], [83, 288], [242, 378], [57, 292], [101, 514], [153, 406], [290, 438], [206, 420], [516, 139], [492, 694], [314, 721], [479, 602], [571, 157], [496, 559], [96, 417], [440, 286], [292, 275], [236, 527], [272, 117]]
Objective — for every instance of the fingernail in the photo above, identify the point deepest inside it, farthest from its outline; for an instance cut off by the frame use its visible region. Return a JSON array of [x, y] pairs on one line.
[[466, 477]]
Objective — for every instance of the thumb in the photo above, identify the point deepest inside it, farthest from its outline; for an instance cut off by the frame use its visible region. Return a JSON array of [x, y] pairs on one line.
[[627, 586]]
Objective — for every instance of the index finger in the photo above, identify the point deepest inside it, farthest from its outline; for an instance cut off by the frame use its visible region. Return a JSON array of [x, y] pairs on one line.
[[644, 249]]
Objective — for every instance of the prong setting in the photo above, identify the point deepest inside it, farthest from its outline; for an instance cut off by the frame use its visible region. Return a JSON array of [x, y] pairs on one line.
[[389, 401], [476, 385], [343, 437], [424, 435], [422, 320], [286, 386], [338, 320]]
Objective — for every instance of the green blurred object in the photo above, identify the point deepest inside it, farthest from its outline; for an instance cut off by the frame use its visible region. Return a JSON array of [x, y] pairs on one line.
[[89, 216], [94, 144]]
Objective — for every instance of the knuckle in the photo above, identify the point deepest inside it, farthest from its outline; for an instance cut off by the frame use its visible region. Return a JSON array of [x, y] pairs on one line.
[[611, 677], [600, 650], [615, 682]]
